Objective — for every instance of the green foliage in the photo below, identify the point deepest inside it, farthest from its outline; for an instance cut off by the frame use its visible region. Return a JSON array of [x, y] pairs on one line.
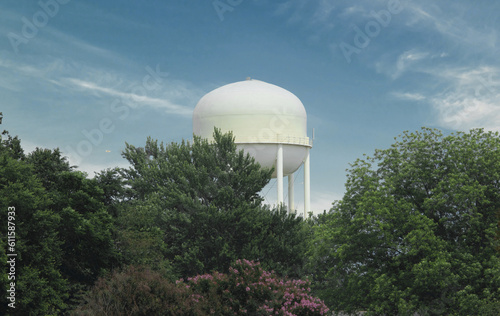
[[190, 175], [63, 231], [11, 146], [202, 200], [113, 187], [86, 226], [415, 231], [40, 288], [181, 210]]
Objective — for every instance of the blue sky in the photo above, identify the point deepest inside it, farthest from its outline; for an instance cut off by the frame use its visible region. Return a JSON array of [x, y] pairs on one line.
[[88, 76]]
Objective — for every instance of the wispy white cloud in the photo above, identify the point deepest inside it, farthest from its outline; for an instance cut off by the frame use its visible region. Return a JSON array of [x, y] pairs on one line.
[[318, 15], [294, 9], [452, 23], [356, 9], [170, 95], [471, 100], [406, 60], [133, 99], [413, 60], [324, 12], [461, 97], [65, 42], [408, 96], [461, 93], [459, 112], [40, 69]]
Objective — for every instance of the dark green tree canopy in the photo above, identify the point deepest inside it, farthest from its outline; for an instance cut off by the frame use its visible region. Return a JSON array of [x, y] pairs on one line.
[[198, 205], [415, 231], [207, 174], [11, 146], [63, 231]]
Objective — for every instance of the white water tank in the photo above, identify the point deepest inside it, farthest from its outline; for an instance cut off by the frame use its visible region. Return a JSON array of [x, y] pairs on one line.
[[261, 116], [267, 121]]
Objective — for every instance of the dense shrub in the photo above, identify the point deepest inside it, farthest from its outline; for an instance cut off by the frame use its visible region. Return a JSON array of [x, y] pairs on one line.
[[137, 291], [246, 290]]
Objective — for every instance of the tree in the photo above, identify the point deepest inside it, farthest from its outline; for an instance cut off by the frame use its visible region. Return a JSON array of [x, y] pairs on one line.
[[202, 200], [112, 184], [415, 230], [85, 229], [38, 285], [11, 146], [63, 231], [197, 173]]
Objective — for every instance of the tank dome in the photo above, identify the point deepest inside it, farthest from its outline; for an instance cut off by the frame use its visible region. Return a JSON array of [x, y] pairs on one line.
[[251, 109], [261, 116]]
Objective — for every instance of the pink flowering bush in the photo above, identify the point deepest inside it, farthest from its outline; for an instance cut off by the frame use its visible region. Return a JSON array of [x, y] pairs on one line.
[[249, 290], [246, 290]]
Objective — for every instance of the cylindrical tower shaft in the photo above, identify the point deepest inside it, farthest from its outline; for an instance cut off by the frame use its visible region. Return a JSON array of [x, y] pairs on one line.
[[307, 185], [279, 173], [291, 203]]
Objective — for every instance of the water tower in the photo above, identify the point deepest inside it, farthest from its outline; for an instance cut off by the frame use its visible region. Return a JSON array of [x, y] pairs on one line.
[[268, 122]]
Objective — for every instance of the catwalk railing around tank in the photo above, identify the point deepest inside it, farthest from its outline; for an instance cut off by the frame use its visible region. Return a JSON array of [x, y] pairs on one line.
[[274, 139]]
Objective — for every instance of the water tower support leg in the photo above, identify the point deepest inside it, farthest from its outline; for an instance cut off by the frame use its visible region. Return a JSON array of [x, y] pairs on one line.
[[307, 185], [279, 175], [291, 205]]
